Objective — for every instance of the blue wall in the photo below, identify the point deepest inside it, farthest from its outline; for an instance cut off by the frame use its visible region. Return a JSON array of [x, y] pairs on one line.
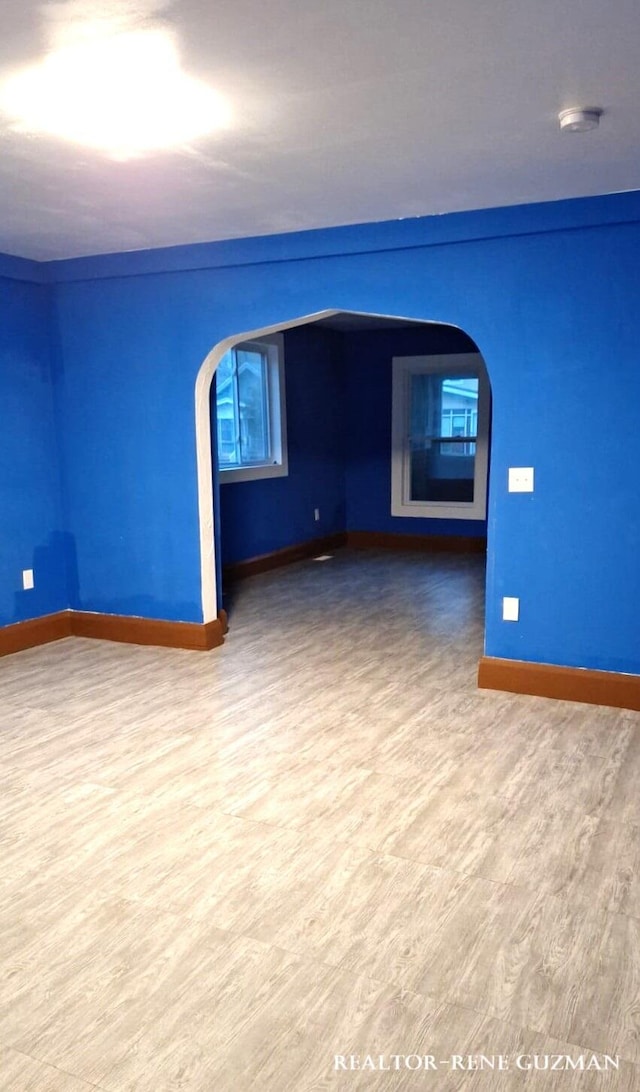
[[131, 351], [367, 359], [549, 295], [260, 516], [31, 524]]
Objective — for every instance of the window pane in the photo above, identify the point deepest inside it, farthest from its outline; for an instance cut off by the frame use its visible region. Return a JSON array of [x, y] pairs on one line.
[[460, 413], [227, 413], [442, 430], [253, 406]]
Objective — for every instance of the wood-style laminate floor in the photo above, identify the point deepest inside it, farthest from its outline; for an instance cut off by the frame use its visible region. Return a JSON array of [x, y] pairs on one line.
[[221, 870]]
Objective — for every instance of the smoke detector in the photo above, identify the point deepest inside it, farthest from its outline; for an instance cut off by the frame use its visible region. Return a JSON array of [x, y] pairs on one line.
[[579, 120]]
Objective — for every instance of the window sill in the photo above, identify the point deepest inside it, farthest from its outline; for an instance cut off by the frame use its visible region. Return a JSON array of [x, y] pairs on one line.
[[253, 473], [441, 511]]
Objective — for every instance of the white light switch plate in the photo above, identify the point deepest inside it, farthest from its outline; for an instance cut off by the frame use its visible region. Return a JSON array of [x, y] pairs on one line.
[[521, 479], [27, 579], [510, 609]]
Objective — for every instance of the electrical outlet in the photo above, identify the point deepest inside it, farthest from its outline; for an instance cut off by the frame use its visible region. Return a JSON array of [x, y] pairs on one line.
[[510, 609], [27, 579], [521, 479], [316, 514]]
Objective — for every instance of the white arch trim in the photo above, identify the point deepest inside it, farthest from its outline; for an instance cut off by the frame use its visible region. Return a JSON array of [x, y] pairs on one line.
[[203, 439]]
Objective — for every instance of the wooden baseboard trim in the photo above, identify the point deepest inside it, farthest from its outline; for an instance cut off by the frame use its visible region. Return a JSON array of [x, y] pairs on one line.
[[263, 563], [148, 631], [567, 683], [35, 631], [113, 627], [363, 540], [388, 540]]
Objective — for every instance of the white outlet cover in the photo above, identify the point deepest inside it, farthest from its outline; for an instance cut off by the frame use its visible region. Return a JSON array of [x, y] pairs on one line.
[[27, 579], [510, 609], [521, 479]]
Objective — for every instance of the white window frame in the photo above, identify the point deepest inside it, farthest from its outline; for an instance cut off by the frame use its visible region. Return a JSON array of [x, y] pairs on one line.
[[273, 346], [459, 365]]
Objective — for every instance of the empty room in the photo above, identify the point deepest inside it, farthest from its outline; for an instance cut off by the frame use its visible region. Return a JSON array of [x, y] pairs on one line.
[[319, 538]]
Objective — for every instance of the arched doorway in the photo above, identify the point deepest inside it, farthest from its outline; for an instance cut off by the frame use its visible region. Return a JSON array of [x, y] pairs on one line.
[[454, 389]]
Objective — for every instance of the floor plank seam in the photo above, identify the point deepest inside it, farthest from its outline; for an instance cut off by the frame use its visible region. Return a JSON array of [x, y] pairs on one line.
[[544, 1031], [51, 1065]]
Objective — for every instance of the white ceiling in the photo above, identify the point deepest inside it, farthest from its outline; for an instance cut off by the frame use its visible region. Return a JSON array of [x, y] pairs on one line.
[[344, 111]]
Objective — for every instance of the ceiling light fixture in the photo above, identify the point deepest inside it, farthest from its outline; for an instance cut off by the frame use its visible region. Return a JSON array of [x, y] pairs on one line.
[[580, 120], [125, 95]]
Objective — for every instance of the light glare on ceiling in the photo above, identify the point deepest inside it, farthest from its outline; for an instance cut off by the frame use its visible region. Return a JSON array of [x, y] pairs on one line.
[[124, 95]]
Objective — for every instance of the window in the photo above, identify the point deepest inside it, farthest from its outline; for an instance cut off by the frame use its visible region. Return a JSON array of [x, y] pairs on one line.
[[250, 411], [440, 436]]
